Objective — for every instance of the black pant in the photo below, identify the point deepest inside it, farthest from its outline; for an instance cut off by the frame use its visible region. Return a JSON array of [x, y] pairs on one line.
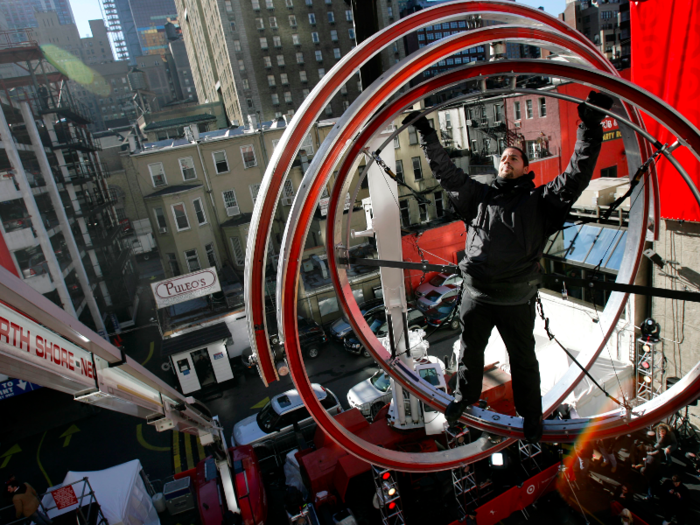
[[515, 323]]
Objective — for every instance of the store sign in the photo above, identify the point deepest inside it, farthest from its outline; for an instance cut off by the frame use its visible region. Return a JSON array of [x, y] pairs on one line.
[[186, 287], [611, 130], [22, 338]]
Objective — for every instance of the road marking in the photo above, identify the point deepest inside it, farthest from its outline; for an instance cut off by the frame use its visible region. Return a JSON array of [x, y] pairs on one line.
[[146, 445], [69, 434], [41, 467], [188, 451], [150, 354], [7, 455], [262, 403], [177, 461], [200, 450]]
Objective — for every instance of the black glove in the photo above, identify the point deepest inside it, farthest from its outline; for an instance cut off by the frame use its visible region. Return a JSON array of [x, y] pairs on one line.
[[591, 117], [422, 124]]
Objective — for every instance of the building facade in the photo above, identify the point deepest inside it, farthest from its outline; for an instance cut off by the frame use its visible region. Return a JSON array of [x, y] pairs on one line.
[[58, 221], [19, 14]]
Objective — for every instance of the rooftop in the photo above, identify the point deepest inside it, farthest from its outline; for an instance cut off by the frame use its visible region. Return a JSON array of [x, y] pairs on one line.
[[191, 340], [175, 122], [172, 189]]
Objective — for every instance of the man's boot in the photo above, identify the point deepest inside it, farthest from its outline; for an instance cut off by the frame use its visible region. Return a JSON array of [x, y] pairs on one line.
[[457, 407]]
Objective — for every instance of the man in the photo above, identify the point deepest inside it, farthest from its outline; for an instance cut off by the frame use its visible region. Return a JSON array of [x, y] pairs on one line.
[[674, 500], [26, 502], [666, 444], [508, 223]]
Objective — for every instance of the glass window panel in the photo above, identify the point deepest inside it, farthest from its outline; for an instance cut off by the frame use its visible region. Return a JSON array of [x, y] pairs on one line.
[[562, 242], [603, 247], [615, 259], [583, 242]]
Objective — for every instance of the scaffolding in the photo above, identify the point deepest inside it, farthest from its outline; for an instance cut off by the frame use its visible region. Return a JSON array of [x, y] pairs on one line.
[[650, 364]]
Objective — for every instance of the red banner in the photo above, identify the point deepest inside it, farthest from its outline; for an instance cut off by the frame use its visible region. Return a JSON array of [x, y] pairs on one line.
[[64, 497], [499, 508], [665, 53], [537, 486]]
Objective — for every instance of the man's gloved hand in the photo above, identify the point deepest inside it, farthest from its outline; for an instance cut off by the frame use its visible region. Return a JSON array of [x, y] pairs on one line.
[[591, 117], [422, 124]]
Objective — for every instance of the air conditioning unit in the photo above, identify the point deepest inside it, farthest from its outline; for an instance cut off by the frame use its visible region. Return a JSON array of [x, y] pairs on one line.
[[287, 201], [517, 124], [162, 230], [471, 123], [233, 210]]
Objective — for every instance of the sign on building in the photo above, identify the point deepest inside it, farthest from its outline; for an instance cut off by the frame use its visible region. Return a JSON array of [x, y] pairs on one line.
[[185, 287]]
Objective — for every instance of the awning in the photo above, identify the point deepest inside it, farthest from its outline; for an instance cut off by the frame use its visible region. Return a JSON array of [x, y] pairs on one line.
[[196, 339]]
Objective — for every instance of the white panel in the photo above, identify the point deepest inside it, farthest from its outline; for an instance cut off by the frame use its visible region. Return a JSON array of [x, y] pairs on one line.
[[238, 326], [188, 379], [220, 362]]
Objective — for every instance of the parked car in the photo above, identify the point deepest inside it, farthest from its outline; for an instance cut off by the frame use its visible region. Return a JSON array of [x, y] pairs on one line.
[[441, 279], [37, 265], [16, 220], [340, 328], [444, 314], [311, 335], [273, 427], [370, 396], [379, 326], [434, 297]]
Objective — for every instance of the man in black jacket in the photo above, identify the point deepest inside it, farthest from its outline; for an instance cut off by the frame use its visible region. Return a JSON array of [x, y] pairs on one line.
[[508, 223]]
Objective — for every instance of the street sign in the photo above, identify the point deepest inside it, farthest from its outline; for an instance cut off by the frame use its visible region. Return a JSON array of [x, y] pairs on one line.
[[186, 287], [15, 387]]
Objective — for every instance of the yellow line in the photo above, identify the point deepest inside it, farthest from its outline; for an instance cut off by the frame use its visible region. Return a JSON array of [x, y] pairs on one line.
[[188, 451], [48, 480], [144, 444], [177, 462], [150, 354], [200, 450]]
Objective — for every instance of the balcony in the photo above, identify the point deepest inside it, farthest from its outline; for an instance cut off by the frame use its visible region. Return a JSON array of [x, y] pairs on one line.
[[20, 239]]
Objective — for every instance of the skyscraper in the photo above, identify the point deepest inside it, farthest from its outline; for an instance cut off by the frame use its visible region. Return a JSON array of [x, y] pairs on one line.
[[19, 14]]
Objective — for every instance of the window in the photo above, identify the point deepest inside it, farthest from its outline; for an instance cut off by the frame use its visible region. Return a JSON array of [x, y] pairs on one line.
[[300, 58], [275, 99], [417, 168], [238, 253], [241, 65], [319, 56], [211, 254], [399, 170], [609, 172], [220, 161], [439, 204], [497, 113], [312, 19], [157, 174], [351, 33], [390, 12], [336, 53], [288, 97], [302, 76], [237, 46], [334, 35], [199, 211], [543, 106], [271, 80], [348, 15], [528, 105], [329, 110], [309, 2], [273, 22], [192, 261], [288, 193], [259, 23], [346, 105], [231, 203], [321, 72], [295, 40], [248, 154], [423, 212], [268, 62], [314, 38], [250, 103], [174, 266], [305, 92], [160, 220], [280, 60], [277, 41], [397, 144], [254, 189], [412, 136], [331, 17], [269, 4], [405, 214], [516, 109], [180, 215], [344, 89], [256, 4], [289, 3], [487, 144], [292, 21], [263, 43]]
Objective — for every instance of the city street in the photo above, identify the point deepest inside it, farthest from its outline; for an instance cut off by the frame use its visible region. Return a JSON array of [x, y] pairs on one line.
[[48, 434]]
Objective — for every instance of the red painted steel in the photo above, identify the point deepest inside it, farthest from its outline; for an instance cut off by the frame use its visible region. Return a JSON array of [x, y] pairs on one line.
[[280, 164]]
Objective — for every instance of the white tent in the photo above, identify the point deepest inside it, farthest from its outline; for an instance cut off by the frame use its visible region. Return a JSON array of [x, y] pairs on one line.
[[119, 491]]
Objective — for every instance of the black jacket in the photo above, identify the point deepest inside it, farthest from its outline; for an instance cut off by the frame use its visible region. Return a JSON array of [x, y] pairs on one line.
[[509, 221]]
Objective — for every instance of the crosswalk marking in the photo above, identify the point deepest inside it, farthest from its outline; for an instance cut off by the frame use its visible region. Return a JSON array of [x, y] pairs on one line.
[[185, 455]]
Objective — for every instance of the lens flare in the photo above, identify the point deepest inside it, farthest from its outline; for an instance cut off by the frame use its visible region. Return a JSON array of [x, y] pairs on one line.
[[76, 70]]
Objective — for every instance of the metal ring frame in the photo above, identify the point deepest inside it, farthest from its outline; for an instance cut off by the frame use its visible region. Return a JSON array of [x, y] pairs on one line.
[[331, 152]]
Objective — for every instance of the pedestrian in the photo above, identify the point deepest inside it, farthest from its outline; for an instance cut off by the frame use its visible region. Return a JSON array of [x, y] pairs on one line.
[[666, 444], [26, 502], [607, 451], [675, 499], [626, 517], [652, 474], [509, 221]]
